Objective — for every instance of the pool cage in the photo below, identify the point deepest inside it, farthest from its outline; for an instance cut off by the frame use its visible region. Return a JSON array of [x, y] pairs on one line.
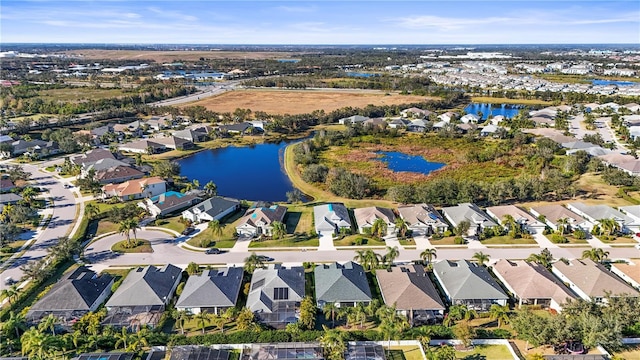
[[196, 352], [284, 351]]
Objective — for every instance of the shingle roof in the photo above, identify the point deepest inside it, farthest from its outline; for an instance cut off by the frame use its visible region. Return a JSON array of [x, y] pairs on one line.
[[631, 270], [131, 187], [470, 212], [106, 163], [409, 288], [213, 288], [532, 281], [198, 352], [263, 282], [466, 280], [367, 216], [593, 279], [328, 217], [9, 198], [598, 212], [146, 286], [92, 156], [420, 214], [215, 205], [341, 283], [517, 213], [554, 212], [118, 172], [263, 214]]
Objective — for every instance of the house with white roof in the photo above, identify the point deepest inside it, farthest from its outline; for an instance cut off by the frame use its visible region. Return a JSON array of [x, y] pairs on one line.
[[423, 219], [477, 218], [595, 213], [470, 119], [526, 221], [331, 218]]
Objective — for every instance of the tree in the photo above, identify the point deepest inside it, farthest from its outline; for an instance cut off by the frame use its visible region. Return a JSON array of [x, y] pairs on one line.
[[329, 310], [15, 324], [203, 319], [512, 225], [192, 268], [139, 340], [462, 228], [332, 342], [210, 189], [595, 254], [481, 257], [253, 262], [181, 318], [245, 319], [391, 255], [545, 258], [464, 332], [401, 227], [379, 228], [609, 226], [125, 228], [278, 230], [427, 255], [91, 210], [294, 196], [500, 313], [49, 323], [10, 293], [459, 312], [166, 169], [36, 344], [563, 225], [308, 312], [28, 194], [122, 338], [368, 259]]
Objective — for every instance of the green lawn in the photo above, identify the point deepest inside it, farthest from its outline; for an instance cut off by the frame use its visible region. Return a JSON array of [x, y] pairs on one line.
[[490, 352], [366, 241], [144, 246], [288, 241], [572, 240], [617, 240], [449, 240], [106, 226], [226, 240], [507, 240], [406, 352], [299, 218], [77, 94], [172, 223]]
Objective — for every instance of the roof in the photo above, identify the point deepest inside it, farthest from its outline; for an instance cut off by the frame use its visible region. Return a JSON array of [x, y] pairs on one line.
[[554, 212], [118, 172], [171, 199], [341, 283], [409, 287], [144, 286], [598, 212], [420, 214], [79, 290], [354, 119], [328, 217], [463, 279], [265, 281], [517, 213], [241, 127], [6, 184], [197, 352], [266, 215], [106, 356], [188, 134], [92, 156], [105, 163], [367, 216], [174, 141], [213, 288], [532, 281], [132, 187], [142, 145], [632, 166], [593, 279], [632, 210], [470, 212], [215, 206], [631, 270], [9, 198]]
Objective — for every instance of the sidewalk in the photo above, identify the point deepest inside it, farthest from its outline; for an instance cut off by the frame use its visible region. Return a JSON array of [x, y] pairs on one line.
[[544, 242]]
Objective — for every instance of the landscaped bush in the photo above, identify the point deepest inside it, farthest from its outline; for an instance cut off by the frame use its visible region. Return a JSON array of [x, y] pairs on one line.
[[437, 236], [448, 233], [580, 234], [493, 334], [559, 239], [458, 240]]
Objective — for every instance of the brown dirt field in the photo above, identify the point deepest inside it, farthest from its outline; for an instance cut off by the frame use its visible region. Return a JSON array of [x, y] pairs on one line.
[[171, 56], [301, 101]]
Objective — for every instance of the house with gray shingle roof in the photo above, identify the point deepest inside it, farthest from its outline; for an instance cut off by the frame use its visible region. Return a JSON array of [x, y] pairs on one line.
[[409, 289], [468, 283], [78, 293], [213, 291], [343, 285], [591, 281], [423, 219], [275, 294], [594, 213], [477, 218], [214, 208], [259, 220], [532, 284], [330, 218], [355, 119]]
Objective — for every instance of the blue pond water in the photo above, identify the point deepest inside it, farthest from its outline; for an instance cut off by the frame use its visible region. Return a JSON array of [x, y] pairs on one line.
[[398, 162], [362, 75], [252, 173], [612, 82], [506, 110]]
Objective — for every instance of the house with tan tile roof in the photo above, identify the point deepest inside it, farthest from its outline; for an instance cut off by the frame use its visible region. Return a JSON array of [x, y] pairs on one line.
[[526, 221], [365, 217], [629, 272], [409, 288], [554, 212], [175, 143], [591, 281], [135, 189], [259, 220], [423, 219], [118, 174], [532, 284]]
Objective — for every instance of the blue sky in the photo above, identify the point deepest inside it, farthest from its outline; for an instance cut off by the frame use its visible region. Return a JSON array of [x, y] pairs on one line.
[[320, 22]]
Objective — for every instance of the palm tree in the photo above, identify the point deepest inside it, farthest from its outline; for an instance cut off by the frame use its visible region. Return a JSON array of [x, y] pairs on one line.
[[49, 323], [368, 259], [139, 340], [122, 338], [332, 342], [545, 258], [253, 262], [10, 293], [125, 229], [563, 224], [481, 257], [15, 323], [609, 226], [401, 227], [181, 318], [36, 344], [216, 228], [596, 254], [210, 188], [278, 230], [135, 225], [512, 225], [91, 210], [427, 255], [379, 228], [360, 314], [459, 312], [28, 194], [500, 313], [203, 319], [329, 310], [391, 255]]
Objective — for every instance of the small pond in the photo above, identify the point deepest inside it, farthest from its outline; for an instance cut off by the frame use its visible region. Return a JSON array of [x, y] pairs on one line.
[[506, 110], [613, 82], [398, 162], [251, 173]]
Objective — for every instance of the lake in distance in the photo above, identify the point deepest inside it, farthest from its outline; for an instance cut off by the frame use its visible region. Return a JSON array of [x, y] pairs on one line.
[[247, 173], [506, 110], [399, 162]]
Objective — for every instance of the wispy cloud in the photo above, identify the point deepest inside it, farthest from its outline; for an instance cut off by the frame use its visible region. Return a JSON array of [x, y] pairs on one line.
[[296, 9], [172, 14]]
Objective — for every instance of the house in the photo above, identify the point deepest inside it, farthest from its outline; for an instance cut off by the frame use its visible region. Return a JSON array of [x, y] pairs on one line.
[[422, 219], [366, 217], [143, 146], [6, 185], [168, 202], [409, 289], [489, 130], [92, 156], [214, 208], [287, 350], [118, 174], [415, 113], [468, 283], [106, 356], [632, 211], [477, 218], [398, 123], [448, 116], [133, 128], [213, 291], [329, 219], [470, 119], [417, 125], [629, 272], [241, 128], [10, 199], [105, 163], [591, 281], [355, 119], [135, 189], [198, 352], [532, 284], [343, 285], [190, 135], [496, 120], [375, 123], [76, 294], [21, 146], [526, 221], [595, 213], [259, 220], [159, 122], [174, 143], [143, 296], [553, 213], [630, 167], [275, 294]]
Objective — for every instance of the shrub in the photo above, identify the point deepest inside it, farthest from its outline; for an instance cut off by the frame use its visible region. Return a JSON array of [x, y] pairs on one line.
[[559, 239], [359, 241], [580, 234], [448, 233], [459, 240], [437, 236]]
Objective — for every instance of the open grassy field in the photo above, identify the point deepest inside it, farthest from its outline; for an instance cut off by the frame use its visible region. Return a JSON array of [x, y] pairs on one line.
[[493, 100], [494, 352], [301, 101], [178, 55], [79, 94]]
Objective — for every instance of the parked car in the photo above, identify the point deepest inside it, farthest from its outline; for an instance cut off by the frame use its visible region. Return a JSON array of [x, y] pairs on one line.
[[188, 231], [265, 258], [213, 251]]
